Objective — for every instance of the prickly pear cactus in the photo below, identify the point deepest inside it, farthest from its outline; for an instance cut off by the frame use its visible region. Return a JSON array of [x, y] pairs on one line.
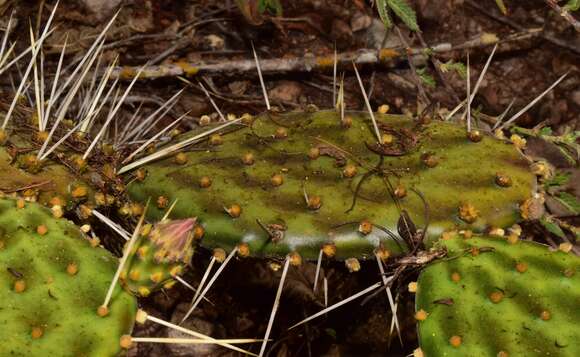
[[162, 252], [51, 283], [284, 182], [494, 298]]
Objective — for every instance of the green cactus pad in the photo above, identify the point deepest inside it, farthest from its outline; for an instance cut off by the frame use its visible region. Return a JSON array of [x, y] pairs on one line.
[[161, 253], [314, 153], [51, 283], [520, 298]]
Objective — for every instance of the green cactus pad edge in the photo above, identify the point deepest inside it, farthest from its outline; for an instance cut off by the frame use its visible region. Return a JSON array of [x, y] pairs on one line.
[[280, 145], [534, 310], [59, 305]]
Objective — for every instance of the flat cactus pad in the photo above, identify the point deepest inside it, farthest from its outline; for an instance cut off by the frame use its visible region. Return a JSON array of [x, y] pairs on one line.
[[51, 283], [284, 182], [499, 299]]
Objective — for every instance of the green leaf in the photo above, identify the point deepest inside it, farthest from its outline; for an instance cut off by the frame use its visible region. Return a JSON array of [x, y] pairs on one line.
[[572, 5], [501, 6], [552, 227], [454, 66], [545, 131], [405, 13], [558, 180], [570, 201], [384, 13], [426, 77]]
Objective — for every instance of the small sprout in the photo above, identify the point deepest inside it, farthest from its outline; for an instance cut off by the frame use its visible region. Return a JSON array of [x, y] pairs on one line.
[[205, 182], [180, 158], [383, 109], [125, 342], [349, 171], [314, 203], [474, 136], [503, 354], [295, 259], [421, 315], [455, 341], [215, 140], [219, 254], [204, 120], [277, 180], [281, 133], [79, 192], [314, 153], [503, 180], [518, 141], [429, 160], [412, 287], [365, 227], [400, 191], [168, 285], [20, 203], [455, 277], [72, 269], [103, 311], [347, 122], [468, 213], [162, 202], [497, 232], [352, 264], [243, 250], [37, 332], [42, 229], [329, 249], [545, 315], [521, 267], [198, 232], [19, 286], [565, 247], [496, 297], [231, 116], [248, 159]]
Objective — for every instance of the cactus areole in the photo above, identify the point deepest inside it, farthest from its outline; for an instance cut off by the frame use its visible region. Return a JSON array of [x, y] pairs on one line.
[[297, 181]]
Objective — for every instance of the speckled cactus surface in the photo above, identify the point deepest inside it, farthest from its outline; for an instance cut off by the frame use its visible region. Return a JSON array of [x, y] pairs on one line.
[[284, 182], [493, 298], [52, 280]]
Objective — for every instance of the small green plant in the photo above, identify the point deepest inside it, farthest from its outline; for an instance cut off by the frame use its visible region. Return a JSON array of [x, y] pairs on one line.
[[401, 9], [254, 10]]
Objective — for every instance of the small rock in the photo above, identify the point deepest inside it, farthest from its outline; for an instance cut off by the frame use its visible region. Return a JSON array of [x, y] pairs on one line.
[[360, 21], [101, 8], [286, 91]]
